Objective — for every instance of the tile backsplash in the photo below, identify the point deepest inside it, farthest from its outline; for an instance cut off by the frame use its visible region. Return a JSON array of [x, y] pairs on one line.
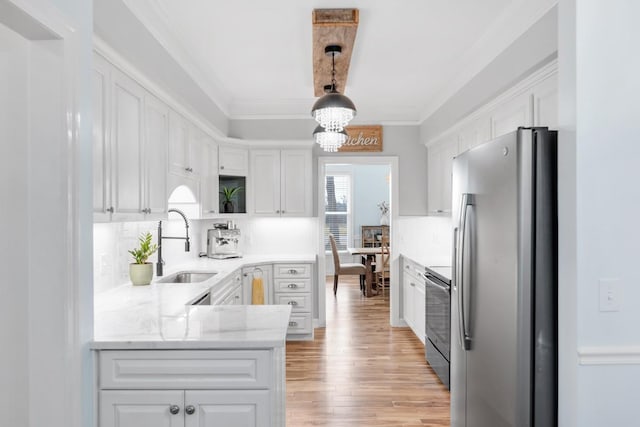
[[112, 241]]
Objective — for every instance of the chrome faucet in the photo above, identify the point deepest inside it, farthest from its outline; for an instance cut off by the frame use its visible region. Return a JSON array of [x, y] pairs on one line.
[[187, 246]]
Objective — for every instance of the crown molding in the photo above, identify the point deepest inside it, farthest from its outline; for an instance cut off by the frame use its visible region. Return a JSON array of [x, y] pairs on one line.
[[510, 25], [155, 23], [548, 70], [101, 48]]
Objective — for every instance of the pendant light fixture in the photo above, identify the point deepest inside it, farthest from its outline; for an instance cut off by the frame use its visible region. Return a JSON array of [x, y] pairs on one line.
[[329, 141], [333, 111]]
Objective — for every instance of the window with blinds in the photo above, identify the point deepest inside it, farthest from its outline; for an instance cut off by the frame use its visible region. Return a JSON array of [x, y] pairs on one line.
[[337, 210]]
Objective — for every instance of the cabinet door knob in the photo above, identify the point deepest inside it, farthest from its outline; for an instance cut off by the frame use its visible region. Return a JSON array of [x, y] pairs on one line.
[[281, 211], [222, 167], [190, 409], [110, 209], [174, 409]]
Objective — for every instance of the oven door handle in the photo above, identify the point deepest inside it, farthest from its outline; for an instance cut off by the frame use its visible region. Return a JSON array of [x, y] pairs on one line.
[[434, 284]]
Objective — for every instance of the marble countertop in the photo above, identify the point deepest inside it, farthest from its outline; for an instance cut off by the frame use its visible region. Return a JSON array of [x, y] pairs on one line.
[[159, 316]]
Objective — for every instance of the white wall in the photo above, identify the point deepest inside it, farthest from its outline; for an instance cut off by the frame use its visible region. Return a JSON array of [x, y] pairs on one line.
[[370, 188], [14, 315], [604, 95], [45, 374], [425, 239]]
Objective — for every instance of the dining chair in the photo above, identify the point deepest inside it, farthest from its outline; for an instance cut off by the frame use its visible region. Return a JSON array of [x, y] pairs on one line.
[[344, 269], [383, 271]]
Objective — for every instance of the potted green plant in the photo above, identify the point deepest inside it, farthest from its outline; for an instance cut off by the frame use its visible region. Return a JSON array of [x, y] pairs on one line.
[[228, 196], [141, 271]]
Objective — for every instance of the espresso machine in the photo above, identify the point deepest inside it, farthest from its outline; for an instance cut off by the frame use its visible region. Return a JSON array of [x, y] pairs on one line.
[[223, 241]]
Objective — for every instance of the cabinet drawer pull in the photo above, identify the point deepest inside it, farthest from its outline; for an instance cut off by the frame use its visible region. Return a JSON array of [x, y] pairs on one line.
[[293, 323], [292, 303], [292, 286], [190, 409], [292, 271], [174, 409]]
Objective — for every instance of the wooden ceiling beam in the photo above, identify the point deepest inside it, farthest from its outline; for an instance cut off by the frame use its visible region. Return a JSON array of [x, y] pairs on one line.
[[332, 27]]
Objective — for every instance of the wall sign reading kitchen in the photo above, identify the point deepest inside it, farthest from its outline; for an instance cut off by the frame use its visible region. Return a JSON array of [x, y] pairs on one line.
[[363, 139]]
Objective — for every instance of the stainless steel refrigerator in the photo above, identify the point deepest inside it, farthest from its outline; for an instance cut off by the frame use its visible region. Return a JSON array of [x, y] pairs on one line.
[[504, 286]]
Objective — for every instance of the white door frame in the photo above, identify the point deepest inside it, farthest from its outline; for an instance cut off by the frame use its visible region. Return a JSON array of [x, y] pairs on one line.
[[394, 290]]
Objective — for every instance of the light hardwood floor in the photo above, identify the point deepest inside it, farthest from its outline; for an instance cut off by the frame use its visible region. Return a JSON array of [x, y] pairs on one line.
[[361, 372]]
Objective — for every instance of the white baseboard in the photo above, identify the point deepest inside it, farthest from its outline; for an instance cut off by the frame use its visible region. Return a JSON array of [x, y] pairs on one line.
[[621, 355]]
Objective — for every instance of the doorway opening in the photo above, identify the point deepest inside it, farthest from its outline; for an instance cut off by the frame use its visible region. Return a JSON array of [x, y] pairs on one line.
[[352, 193]]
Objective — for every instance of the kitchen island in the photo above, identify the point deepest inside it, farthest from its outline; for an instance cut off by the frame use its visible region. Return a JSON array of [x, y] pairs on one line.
[[161, 361]]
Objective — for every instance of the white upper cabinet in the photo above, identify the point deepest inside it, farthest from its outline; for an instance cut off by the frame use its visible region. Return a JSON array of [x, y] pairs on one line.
[[184, 147], [533, 102], [439, 169], [545, 103], [281, 182], [265, 168], [130, 134], [295, 182], [473, 134], [209, 190], [101, 112], [233, 161], [511, 115], [128, 99], [155, 153]]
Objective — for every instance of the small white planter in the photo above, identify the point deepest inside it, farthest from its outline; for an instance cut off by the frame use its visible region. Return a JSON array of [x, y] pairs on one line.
[[141, 274]]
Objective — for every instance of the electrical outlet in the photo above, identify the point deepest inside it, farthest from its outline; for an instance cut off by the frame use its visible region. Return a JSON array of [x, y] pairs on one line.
[[610, 294]]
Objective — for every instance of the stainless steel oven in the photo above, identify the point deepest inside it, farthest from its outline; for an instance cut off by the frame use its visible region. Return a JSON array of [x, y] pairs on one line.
[[438, 320]]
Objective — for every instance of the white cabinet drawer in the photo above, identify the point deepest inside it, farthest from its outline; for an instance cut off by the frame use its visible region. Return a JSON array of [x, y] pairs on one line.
[[292, 270], [299, 323], [193, 369], [292, 285], [298, 302]]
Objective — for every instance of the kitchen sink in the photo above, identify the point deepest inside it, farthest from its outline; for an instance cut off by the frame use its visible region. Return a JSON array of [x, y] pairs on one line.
[[188, 277]]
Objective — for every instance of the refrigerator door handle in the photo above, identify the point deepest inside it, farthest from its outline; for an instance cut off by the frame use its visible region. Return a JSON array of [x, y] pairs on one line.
[[467, 201]]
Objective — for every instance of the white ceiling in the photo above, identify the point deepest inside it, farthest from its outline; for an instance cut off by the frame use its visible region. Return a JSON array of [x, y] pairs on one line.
[[253, 57]]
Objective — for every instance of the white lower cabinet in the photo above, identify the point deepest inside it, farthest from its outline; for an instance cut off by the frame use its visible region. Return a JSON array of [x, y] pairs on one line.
[[188, 408], [260, 271], [229, 292], [191, 388], [292, 286], [413, 297], [141, 408]]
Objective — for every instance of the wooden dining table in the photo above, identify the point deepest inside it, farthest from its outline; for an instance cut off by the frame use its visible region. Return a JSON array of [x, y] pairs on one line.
[[370, 255]]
